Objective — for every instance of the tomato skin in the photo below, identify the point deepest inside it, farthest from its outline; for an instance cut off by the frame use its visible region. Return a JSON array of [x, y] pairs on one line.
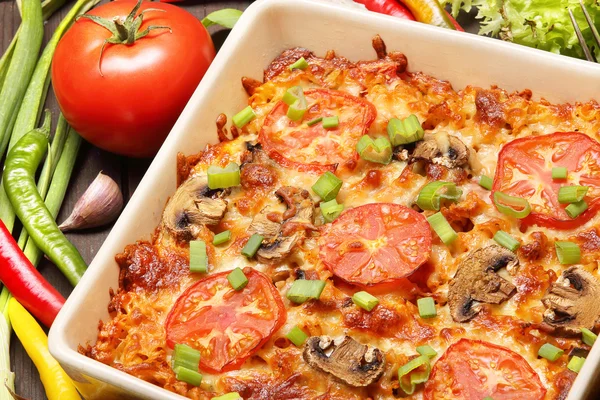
[[217, 320], [453, 376], [130, 108]]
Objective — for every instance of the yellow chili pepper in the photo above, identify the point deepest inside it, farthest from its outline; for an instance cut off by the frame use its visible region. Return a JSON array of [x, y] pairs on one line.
[[56, 382]]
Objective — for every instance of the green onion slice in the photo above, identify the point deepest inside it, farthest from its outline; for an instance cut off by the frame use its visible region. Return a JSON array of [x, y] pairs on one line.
[[185, 356], [559, 173], [486, 182], [183, 374], [314, 121], [303, 290], [221, 178], [252, 245], [441, 226], [222, 237], [550, 352], [297, 336], [505, 240], [488, 398], [242, 118], [426, 307], [430, 196], [405, 131], [512, 206], [198, 257], [331, 122], [571, 194], [365, 300], [407, 373], [576, 363], [294, 98], [573, 210], [292, 95], [426, 350], [237, 279], [301, 63], [327, 186], [229, 396], [588, 336], [331, 210], [567, 252], [378, 150]]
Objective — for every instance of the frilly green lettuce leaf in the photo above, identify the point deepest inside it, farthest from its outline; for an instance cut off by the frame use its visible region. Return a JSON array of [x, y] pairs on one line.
[[457, 5]]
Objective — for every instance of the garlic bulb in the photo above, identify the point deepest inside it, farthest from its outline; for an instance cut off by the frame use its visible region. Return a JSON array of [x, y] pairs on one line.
[[99, 205]]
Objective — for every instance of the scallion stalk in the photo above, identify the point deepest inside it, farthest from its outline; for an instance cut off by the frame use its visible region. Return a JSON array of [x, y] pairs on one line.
[[505, 240], [571, 194], [378, 150], [567, 252], [512, 206], [550, 352], [431, 195], [407, 130], [443, 229]]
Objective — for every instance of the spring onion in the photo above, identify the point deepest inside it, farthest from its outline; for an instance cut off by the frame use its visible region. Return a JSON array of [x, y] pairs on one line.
[[573, 210], [550, 352], [426, 350], [252, 245], [331, 210], [365, 300], [407, 130], [314, 121], [559, 173], [414, 378], [443, 229], [242, 118], [183, 374], [294, 98], [198, 257], [512, 206], [378, 150], [292, 95], [299, 64], [221, 178], [486, 182], [576, 363], [222, 237], [185, 356], [237, 279], [567, 252], [571, 194], [426, 307], [327, 186], [331, 122], [297, 336], [505, 240], [588, 336], [488, 398], [303, 290], [431, 195], [228, 396]]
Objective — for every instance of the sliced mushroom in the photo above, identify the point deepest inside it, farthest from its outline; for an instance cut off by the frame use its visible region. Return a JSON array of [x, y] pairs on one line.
[[349, 361], [572, 303], [476, 280], [192, 206], [442, 149]]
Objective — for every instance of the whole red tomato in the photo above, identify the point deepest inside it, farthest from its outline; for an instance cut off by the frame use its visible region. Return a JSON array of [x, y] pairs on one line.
[[127, 99]]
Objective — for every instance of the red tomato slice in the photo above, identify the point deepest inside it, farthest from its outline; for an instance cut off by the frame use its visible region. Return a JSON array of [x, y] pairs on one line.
[[474, 369], [315, 149], [525, 170], [376, 243], [225, 325]]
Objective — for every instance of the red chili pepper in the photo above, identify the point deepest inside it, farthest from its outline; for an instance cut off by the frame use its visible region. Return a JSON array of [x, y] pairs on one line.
[[455, 22], [388, 7], [25, 283]]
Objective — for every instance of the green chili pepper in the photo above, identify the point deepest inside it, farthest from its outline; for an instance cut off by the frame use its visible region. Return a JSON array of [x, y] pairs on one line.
[[19, 182]]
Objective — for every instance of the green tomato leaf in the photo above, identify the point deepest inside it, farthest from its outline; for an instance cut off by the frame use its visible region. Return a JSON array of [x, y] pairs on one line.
[[226, 17]]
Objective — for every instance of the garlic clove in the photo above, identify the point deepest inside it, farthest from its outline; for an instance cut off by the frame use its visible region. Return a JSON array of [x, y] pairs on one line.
[[100, 204]]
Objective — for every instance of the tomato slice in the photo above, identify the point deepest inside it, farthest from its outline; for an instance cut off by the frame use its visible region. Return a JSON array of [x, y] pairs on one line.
[[225, 325], [525, 170], [376, 243], [474, 369], [314, 148]]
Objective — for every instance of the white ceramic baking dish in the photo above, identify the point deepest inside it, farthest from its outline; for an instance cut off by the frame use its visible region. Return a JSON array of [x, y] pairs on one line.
[[266, 28]]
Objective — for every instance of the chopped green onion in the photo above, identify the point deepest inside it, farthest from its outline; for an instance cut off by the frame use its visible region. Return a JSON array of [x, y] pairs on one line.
[[229, 396], [297, 336], [550, 352], [505, 240], [426, 350], [198, 257], [571, 194], [413, 377], [559, 173], [222, 237], [365, 300], [221, 178], [183, 374], [327, 186], [488, 398], [426, 307], [588, 336], [331, 122], [294, 98], [405, 131], [441, 226], [430, 196], [303, 290], [185, 356], [486, 182], [574, 209], [292, 95], [243, 117], [252, 245], [567, 252], [378, 150], [576, 363], [299, 64], [314, 121], [237, 279], [331, 210], [511, 205]]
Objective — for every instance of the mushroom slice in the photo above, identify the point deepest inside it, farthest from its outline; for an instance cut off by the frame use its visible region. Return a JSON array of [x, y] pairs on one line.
[[476, 280], [351, 362], [572, 303], [442, 149], [190, 207]]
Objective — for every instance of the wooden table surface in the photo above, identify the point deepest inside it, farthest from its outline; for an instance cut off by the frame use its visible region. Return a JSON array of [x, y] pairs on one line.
[[126, 172]]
